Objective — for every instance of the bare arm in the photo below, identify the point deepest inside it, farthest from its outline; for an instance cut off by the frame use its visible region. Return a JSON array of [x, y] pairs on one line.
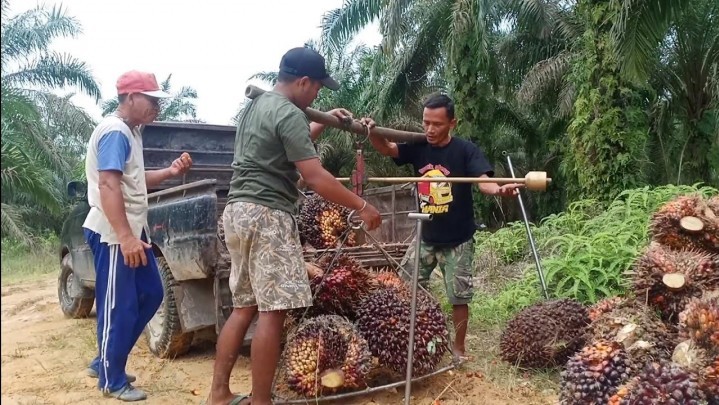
[[495, 189], [324, 183], [113, 204], [384, 146], [487, 188], [179, 166], [316, 130], [155, 177]]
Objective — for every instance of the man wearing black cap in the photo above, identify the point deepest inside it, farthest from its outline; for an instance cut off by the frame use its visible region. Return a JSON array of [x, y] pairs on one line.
[[268, 274]]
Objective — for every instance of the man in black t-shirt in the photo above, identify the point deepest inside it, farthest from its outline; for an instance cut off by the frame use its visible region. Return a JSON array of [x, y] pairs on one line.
[[448, 239]]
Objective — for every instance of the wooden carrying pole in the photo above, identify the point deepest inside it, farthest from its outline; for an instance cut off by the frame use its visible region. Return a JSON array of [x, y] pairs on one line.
[[352, 126]]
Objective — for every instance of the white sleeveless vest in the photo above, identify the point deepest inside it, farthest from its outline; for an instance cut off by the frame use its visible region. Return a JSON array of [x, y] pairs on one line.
[[134, 189]]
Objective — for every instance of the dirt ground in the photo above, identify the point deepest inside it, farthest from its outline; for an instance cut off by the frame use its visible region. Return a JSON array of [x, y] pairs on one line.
[[44, 355]]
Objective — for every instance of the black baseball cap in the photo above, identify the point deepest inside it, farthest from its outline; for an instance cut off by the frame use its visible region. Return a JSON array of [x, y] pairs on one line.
[[304, 61]]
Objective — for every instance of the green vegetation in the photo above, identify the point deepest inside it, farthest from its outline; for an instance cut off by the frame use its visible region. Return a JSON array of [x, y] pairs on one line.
[[20, 263], [44, 134], [584, 251]]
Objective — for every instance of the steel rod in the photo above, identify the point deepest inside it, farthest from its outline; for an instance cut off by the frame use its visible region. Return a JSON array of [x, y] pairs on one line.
[[413, 306], [498, 180], [529, 232], [283, 401], [394, 135]]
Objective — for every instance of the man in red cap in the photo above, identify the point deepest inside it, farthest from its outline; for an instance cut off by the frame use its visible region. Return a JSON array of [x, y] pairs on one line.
[[273, 147], [128, 289]]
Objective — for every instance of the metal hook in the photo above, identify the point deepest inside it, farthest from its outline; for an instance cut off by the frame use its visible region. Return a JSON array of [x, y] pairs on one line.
[[352, 224]]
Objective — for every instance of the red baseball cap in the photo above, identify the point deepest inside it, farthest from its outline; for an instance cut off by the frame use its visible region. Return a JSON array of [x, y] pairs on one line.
[[140, 82]]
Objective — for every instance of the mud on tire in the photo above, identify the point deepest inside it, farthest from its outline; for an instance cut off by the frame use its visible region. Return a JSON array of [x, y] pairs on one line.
[[164, 331], [73, 307]]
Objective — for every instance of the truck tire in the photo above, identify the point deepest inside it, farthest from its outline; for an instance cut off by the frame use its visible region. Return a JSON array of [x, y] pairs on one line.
[[72, 307], [164, 331]]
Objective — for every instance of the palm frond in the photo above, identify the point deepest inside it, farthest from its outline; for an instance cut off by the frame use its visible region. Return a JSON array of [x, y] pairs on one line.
[[13, 226], [638, 30], [269, 77], [544, 76], [32, 31], [341, 24], [55, 70], [393, 23]]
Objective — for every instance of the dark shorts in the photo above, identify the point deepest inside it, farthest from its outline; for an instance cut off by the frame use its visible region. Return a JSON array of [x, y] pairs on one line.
[[455, 263]]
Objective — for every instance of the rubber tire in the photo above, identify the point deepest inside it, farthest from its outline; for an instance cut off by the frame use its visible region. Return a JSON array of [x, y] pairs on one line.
[[170, 341], [74, 308]]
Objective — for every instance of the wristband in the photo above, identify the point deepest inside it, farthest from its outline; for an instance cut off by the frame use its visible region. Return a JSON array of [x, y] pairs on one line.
[[363, 206]]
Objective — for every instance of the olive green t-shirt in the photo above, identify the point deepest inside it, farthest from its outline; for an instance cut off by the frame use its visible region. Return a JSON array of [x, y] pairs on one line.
[[271, 134]]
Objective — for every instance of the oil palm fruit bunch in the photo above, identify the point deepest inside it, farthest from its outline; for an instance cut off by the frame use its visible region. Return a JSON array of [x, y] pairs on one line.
[[700, 322], [670, 278], [322, 223], [390, 279], [595, 373], [325, 354], [687, 222], [358, 361], [709, 382], [545, 334], [661, 383], [340, 288], [603, 306], [637, 327], [383, 318]]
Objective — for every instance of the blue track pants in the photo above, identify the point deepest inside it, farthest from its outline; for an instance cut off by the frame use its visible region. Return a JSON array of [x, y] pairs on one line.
[[125, 299]]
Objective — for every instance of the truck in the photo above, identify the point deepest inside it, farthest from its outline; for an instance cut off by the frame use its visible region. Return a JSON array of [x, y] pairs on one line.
[[185, 227]]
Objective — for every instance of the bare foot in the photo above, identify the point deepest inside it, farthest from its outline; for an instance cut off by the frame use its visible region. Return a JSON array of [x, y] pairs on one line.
[[461, 355]]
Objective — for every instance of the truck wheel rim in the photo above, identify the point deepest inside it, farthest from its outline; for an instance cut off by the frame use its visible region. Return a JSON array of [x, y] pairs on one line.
[[66, 297]]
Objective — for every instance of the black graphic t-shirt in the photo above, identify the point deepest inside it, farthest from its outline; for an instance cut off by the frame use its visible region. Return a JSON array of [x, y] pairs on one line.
[[449, 203]]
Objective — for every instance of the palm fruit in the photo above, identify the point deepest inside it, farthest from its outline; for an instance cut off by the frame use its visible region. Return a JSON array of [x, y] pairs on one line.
[[669, 279], [663, 383], [358, 361], [687, 222], [326, 354], [544, 334], [603, 306], [594, 374], [340, 288], [709, 382], [383, 319], [390, 279], [322, 223], [700, 322], [637, 327], [316, 349]]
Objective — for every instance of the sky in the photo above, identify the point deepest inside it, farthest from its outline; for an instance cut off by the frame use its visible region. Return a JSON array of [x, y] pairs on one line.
[[213, 46]]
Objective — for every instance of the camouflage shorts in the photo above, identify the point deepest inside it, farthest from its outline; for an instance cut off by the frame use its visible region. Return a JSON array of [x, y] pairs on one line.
[[455, 263], [267, 265]]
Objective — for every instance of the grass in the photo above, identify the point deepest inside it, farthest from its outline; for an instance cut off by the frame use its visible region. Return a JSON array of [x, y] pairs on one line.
[[21, 263]]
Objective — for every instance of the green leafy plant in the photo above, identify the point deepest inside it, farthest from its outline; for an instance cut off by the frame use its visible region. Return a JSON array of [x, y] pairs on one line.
[[584, 251]]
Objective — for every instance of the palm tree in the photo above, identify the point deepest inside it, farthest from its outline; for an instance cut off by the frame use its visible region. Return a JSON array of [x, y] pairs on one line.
[[42, 132], [180, 107]]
